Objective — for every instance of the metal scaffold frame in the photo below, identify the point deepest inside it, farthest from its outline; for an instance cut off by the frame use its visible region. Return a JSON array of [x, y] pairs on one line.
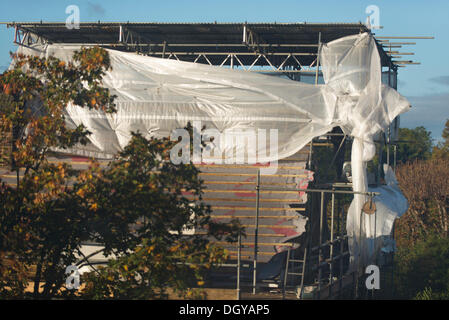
[[328, 256], [290, 50], [284, 48]]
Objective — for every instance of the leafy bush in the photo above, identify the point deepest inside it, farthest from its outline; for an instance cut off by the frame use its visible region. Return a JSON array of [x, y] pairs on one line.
[[422, 271], [426, 187]]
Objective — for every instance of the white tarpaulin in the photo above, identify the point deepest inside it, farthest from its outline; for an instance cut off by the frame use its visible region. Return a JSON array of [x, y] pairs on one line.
[[156, 96], [376, 228]]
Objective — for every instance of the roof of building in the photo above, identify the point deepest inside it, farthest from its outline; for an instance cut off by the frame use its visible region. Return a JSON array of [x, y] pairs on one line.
[[186, 41]]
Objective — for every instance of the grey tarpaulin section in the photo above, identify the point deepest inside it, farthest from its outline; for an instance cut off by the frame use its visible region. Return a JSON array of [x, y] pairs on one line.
[[157, 95]]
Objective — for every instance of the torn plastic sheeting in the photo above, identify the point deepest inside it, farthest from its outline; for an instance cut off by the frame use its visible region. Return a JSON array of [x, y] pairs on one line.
[[376, 228], [156, 96]]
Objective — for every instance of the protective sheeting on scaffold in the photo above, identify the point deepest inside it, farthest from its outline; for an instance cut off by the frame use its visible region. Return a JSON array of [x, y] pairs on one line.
[[376, 228], [156, 96]]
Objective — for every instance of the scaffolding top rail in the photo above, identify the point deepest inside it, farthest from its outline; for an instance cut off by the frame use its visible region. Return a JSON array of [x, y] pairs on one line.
[[211, 39]]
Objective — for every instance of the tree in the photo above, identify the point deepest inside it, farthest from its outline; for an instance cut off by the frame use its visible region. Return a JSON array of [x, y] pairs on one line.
[[413, 144], [161, 200], [426, 187], [421, 263], [40, 225], [136, 203], [422, 273], [442, 149]]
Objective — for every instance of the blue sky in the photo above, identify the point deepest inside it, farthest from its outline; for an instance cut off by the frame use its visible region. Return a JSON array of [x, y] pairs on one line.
[[425, 85]]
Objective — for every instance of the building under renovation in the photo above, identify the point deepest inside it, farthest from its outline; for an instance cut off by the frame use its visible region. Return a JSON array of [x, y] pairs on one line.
[[299, 109]]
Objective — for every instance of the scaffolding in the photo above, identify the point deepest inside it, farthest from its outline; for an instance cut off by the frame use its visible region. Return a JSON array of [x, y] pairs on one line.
[[318, 267], [322, 261]]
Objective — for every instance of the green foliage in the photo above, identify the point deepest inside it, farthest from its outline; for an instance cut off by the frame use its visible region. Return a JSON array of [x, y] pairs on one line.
[[422, 262], [422, 271], [426, 187], [13, 276], [324, 169], [441, 151], [143, 189], [38, 90], [414, 144], [429, 294], [155, 266], [41, 223], [139, 202]]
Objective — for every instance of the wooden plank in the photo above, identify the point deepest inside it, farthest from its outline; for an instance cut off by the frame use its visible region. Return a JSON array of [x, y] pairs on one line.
[[268, 226], [226, 174], [249, 183], [253, 216], [226, 166], [254, 208], [267, 235], [263, 244], [248, 191], [292, 201], [250, 254], [243, 166]]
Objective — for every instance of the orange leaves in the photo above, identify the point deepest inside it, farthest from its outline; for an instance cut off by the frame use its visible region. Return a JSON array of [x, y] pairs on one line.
[[175, 248], [6, 88], [51, 199], [44, 185], [93, 59], [55, 89], [87, 176], [150, 249], [39, 199], [81, 193], [99, 56], [62, 170]]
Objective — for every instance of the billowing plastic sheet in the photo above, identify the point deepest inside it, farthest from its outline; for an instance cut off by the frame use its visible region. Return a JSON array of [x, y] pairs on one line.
[[156, 96], [376, 228]]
